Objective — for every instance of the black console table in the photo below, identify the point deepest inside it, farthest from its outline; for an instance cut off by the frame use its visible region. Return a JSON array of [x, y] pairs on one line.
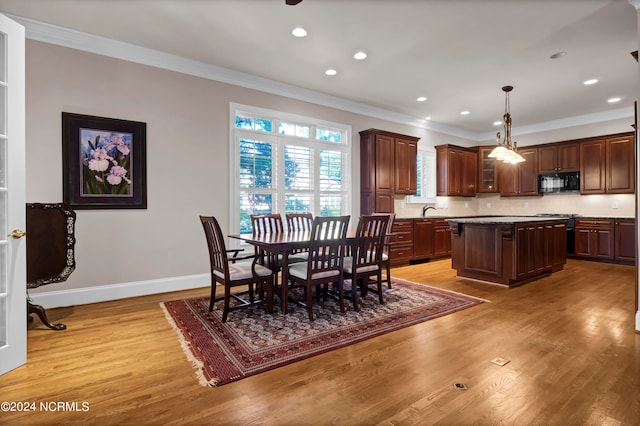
[[50, 250]]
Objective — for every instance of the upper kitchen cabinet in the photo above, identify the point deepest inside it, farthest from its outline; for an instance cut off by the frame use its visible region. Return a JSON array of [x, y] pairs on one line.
[[607, 165], [405, 166], [387, 162], [457, 171], [520, 179], [563, 157], [487, 170]]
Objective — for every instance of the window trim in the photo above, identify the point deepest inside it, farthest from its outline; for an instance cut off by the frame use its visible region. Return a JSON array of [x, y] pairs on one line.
[[427, 167], [234, 151]]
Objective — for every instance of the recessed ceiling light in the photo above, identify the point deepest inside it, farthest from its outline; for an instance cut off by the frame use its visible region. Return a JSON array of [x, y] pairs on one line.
[[497, 123], [427, 118], [465, 113], [558, 55], [613, 100], [360, 55], [590, 82], [299, 32], [331, 71], [421, 99]]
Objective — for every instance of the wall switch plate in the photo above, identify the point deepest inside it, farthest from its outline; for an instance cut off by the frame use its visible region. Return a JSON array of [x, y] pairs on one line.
[[614, 205], [402, 204], [526, 204], [466, 204], [488, 205]]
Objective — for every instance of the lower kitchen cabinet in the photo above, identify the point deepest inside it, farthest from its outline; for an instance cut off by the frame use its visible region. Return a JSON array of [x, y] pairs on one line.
[[594, 239], [423, 238], [419, 239], [625, 240], [401, 249], [441, 238]]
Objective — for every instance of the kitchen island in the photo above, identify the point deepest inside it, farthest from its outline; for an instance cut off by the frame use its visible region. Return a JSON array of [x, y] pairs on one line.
[[508, 250]]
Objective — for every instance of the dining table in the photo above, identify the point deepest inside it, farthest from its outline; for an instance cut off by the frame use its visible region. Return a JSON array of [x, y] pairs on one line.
[[282, 244]]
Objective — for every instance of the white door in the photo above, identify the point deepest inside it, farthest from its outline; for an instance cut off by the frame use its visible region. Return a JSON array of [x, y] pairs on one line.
[[13, 311]]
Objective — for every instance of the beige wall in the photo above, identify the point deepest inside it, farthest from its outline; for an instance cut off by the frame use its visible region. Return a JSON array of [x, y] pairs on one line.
[[187, 159]]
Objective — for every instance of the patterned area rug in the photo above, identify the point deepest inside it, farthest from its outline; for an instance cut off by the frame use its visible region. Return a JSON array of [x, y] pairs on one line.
[[252, 341]]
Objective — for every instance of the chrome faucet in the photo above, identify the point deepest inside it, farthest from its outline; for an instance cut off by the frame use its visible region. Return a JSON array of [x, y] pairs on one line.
[[425, 208]]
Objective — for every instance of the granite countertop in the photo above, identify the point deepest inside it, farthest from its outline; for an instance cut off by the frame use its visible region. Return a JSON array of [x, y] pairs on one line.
[[505, 219]]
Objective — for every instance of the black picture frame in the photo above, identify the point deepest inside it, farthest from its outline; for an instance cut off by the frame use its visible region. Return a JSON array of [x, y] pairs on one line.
[[104, 163]]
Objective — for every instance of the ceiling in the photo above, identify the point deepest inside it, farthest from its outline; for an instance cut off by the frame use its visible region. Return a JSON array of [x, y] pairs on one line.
[[457, 53]]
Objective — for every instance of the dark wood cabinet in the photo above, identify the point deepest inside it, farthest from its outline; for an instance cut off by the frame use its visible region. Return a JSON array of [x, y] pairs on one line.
[[423, 233], [441, 238], [562, 157], [406, 154], [509, 252], [401, 249], [625, 240], [456, 171], [487, 171], [387, 162], [419, 239], [620, 167], [520, 179], [541, 247], [608, 165], [594, 238]]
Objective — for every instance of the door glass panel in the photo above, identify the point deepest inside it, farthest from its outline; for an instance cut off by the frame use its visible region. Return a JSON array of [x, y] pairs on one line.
[[3, 162], [3, 321]]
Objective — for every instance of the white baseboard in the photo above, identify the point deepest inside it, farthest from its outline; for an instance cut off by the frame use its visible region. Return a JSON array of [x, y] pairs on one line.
[[103, 293]]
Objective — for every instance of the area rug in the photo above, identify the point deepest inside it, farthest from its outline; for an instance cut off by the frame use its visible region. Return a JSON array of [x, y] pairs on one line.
[[252, 341]]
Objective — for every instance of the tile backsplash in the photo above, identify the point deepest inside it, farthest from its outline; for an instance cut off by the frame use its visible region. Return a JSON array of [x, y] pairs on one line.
[[613, 205]]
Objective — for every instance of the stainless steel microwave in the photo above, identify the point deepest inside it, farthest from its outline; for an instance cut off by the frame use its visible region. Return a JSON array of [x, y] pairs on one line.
[[559, 182]]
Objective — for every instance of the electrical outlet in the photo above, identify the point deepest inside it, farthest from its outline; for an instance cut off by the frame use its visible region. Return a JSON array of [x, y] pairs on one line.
[[466, 204], [526, 205], [614, 205], [402, 204], [488, 205]]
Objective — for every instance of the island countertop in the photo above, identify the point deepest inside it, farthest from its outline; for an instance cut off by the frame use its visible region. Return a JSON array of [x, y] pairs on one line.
[[497, 220]]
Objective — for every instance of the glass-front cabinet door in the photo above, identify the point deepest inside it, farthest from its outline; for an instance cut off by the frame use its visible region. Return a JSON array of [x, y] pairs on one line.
[[487, 171]]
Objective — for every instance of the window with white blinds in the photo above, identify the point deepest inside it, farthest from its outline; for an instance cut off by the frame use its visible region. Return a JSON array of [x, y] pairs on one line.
[[283, 163]]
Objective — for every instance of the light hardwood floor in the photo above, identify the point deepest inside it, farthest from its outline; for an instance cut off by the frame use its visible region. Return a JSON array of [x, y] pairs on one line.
[[574, 360]]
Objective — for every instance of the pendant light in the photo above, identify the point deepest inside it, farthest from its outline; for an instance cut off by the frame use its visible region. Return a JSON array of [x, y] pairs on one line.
[[506, 150]]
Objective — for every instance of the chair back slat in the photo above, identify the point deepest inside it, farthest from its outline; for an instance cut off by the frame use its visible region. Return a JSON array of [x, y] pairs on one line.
[[266, 223], [299, 221]]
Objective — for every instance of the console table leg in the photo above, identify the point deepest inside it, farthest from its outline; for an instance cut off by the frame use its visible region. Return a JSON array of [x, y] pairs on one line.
[[39, 310]]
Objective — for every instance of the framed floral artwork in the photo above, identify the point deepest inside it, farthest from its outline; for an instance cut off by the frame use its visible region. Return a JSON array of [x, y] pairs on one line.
[[104, 162]]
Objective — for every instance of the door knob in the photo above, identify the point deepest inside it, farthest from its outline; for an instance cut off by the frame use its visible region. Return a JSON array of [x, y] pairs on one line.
[[17, 233]]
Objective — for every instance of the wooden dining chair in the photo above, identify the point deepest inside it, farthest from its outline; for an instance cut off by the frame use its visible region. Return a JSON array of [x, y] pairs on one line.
[[299, 221], [324, 264], [386, 264], [266, 223], [364, 261], [235, 271]]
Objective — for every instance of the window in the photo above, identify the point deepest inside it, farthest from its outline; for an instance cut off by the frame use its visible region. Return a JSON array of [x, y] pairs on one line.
[[426, 168], [282, 163]]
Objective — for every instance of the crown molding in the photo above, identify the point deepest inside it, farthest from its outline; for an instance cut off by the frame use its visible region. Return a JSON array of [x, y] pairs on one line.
[[580, 120], [65, 37], [636, 4]]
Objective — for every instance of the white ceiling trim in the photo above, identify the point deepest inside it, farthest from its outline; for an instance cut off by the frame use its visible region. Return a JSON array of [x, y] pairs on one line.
[[597, 117], [53, 34]]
